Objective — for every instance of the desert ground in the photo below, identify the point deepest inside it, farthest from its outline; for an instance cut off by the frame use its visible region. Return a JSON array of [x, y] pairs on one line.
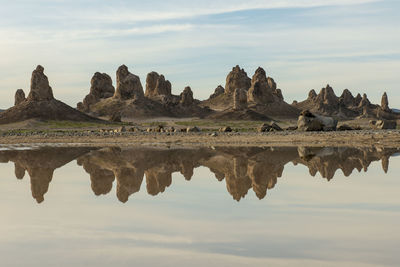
[[244, 133]]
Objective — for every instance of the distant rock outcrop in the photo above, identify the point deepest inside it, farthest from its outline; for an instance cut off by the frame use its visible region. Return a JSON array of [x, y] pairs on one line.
[[346, 106], [40, 88], [128, 85], [156, 85], [100, 88], [263, 89], [237, 79], [186, 97], [41, 104], [19, 97], [385, 103], [217, 92]]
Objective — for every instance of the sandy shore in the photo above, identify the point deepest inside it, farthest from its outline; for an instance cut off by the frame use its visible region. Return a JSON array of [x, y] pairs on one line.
[[364, 138]]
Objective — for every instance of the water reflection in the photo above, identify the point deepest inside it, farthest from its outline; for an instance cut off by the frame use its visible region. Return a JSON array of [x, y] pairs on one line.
[[242, 169]]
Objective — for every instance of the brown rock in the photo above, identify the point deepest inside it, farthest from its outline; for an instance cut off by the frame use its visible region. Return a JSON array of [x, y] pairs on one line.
[[19, 97], [156, 85], [128, 85], [364, 101], [186, 97], [263, 89], [385, 103], [347, 98], [239, 99], [237, 79], [101, 85], [312, 122], [218, 91], [383, 125], [40, 88], [312, 94]]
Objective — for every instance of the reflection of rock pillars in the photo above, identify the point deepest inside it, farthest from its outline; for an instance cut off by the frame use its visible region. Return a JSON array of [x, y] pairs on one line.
[[40, 180], [385, 163], [101, 181], [243, 168], [157, 180], [128, 182], [19, 171], [238, 183]]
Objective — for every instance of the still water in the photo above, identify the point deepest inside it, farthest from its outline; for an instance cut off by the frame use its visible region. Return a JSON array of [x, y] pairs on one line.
[[211, 206]]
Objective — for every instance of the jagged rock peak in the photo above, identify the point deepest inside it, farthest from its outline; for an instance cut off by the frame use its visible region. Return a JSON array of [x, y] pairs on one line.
[[19, 97], [218, 91], [237, 78], [156, 85], [186, 97], [347, 98], [364, 101], [239, 99], [327, 96], [40, 88], [101, 85], [385, 102], [263, 89], [128, 85], [312, 94]]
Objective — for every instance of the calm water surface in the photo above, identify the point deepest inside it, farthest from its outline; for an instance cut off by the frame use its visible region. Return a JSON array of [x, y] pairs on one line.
[[200, 207]]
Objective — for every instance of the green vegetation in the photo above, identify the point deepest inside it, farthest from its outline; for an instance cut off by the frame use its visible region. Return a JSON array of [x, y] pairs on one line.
[[75, 125]]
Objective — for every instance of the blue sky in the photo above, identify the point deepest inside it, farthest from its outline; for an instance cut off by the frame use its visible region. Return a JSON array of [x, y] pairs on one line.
[[302, 44]]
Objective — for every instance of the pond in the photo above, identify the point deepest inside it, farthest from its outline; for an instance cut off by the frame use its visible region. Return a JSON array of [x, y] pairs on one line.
[[200, 206]]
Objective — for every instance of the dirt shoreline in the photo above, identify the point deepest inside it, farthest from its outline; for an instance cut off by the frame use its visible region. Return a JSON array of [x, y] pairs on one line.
[[363, 138]]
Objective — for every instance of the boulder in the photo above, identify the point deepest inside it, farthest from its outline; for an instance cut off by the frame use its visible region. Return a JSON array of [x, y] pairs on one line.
[[186, 97], [193, 129], [263, 89], [226, 129], [385, 103], [237, 78], [40, 88], [383, 125], [239, 99], [156, 85], [19, 97], [218, 91], [273, 127], [128, 85], [311, 122]]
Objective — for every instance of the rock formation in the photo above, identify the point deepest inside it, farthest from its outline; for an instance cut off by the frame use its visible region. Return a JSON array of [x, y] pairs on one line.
[[156, 85], [309, 122], [100, 88], [237, 79], [19, 97], [263, 89], [239, 99], [186, 97], [40, 88], [217, 92], [385, 103], [41, 104], [128, 85]]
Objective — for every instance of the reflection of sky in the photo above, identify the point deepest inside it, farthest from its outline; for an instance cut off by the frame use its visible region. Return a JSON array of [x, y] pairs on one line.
[[303, 221], [303, 44]]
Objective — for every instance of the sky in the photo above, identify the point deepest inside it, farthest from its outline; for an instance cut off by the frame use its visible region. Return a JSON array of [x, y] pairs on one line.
[[302, 44]]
